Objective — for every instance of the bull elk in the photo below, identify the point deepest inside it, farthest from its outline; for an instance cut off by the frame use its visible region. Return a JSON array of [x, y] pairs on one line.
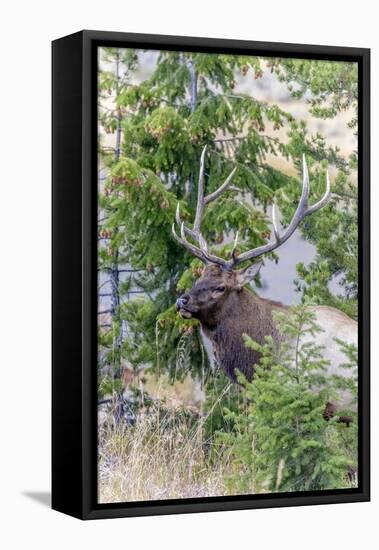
[[226, 309]]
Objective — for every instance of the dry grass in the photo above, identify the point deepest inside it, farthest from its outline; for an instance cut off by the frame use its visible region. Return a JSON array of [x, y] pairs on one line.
[[163, 456], [158, 458]]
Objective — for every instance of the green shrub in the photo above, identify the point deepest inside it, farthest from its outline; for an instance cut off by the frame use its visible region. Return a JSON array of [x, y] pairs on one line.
[[281, 442]]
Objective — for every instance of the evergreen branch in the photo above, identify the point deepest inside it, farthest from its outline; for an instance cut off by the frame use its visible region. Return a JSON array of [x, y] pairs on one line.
[[242, 138], [345, 195]]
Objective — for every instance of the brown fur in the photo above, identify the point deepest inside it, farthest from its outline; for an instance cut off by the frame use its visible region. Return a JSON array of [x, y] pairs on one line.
[[227, 310], [226, 316]]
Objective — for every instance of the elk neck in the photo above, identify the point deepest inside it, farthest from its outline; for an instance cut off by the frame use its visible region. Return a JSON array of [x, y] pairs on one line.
[[242, 313]]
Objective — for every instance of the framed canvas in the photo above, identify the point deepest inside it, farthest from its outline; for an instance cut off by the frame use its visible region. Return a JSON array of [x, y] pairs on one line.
[[210, 275]]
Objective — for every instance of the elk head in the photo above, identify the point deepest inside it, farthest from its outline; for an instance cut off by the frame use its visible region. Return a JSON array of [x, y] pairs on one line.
[[213, 293], [221, 282]]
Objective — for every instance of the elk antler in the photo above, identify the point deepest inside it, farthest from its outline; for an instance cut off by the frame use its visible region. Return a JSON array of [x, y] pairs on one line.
[[202, 251], [302, 210]]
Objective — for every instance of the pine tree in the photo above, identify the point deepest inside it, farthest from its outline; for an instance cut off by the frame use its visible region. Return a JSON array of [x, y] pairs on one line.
[[330, 88], [160, 124], [110, 84]]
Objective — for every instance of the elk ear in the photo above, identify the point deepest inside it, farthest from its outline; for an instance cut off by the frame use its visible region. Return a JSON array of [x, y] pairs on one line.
[[246, 275]]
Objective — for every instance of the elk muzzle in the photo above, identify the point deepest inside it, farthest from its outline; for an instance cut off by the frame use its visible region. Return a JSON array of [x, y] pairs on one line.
[[181, 306]]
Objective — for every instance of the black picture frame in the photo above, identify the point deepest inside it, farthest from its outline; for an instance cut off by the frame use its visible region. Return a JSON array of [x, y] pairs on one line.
[[74, 273]]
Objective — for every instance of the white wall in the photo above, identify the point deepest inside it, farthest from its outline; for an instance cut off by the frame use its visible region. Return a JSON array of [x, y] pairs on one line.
[[27, 28]]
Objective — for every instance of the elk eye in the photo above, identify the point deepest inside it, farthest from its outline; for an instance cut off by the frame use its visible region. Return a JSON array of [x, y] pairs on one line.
[[220, 289]]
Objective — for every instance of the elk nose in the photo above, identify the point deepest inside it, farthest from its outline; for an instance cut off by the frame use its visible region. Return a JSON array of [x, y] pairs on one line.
[[182, 301]]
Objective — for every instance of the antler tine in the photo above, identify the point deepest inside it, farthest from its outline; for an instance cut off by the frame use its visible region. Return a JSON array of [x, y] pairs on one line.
[[305, 191], [235, 246], [274, 223], [177, 215], [222, 188], [201, 200], [203, 253], [324, 199], [302, 210], [203, 244], [195, 232], [184, 242], [200, 193], [302, 207], [179, 222]]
